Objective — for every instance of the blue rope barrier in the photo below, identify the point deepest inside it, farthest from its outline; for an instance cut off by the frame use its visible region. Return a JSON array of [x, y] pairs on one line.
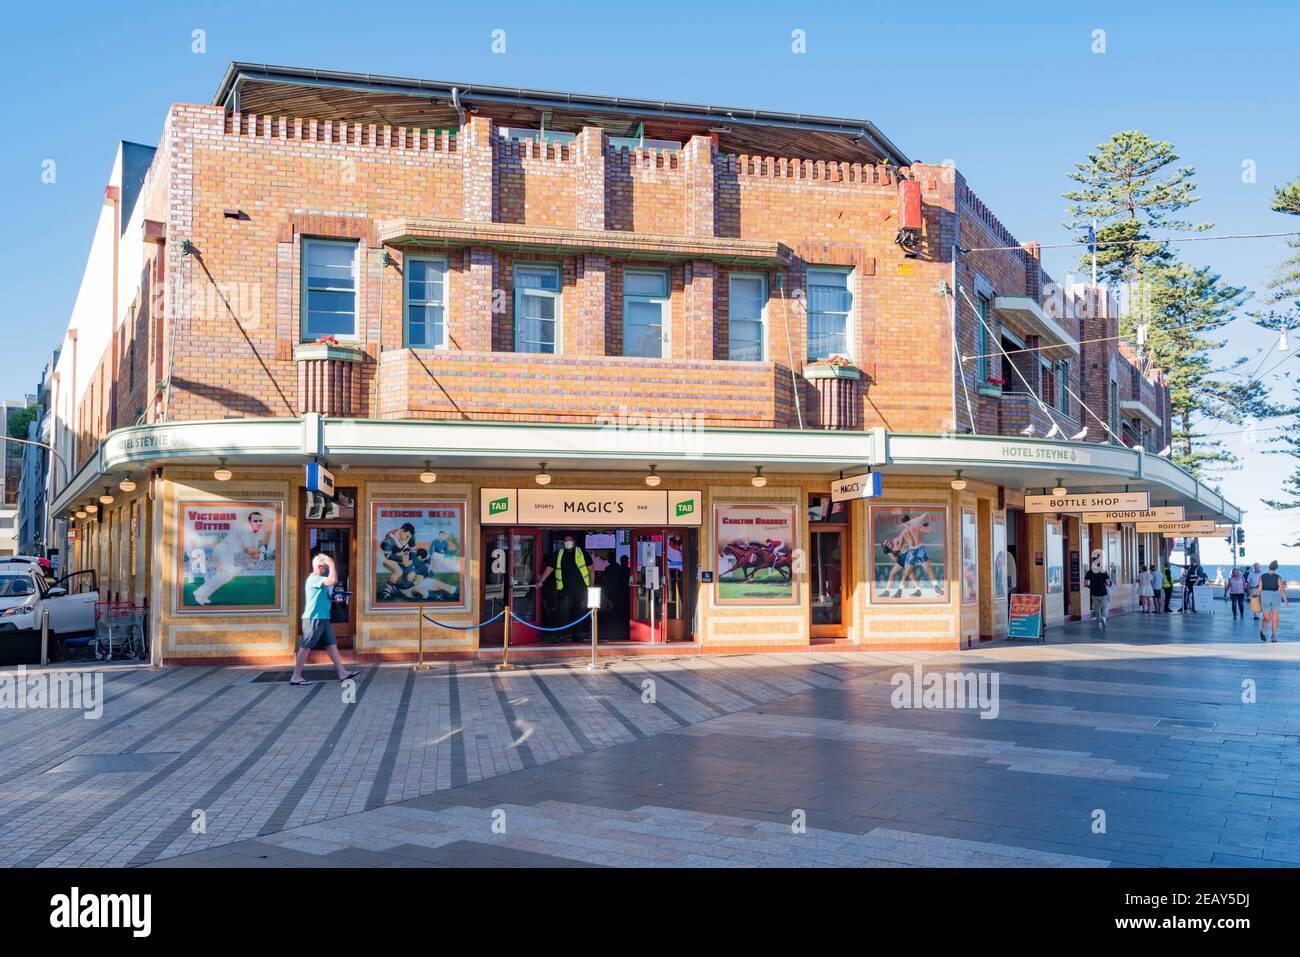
[[481, 624], [560, 628]]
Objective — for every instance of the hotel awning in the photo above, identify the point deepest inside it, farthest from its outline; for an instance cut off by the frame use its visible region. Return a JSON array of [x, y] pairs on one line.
[[627, 446], [1027, 314]]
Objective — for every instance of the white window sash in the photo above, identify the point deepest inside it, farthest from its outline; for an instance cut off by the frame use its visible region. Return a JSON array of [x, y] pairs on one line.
[[305, 289], [662, 301], [760, 319], [441, 343], [521, 295]]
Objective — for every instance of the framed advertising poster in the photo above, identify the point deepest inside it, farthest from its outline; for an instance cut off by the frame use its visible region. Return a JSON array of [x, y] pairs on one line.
[[754, 548], [970, 565], [1055, 558], [909, 553], [229, 555], [999, 566], [417, 552], [1026, 619]]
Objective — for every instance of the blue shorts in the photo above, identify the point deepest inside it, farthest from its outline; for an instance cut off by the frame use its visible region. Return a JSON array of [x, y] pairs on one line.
[[317, 633], [916, 556]]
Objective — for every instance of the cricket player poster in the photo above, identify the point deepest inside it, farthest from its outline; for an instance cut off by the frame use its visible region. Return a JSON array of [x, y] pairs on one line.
[[755, 546], [909, 552], [418, 554], [229, 555]]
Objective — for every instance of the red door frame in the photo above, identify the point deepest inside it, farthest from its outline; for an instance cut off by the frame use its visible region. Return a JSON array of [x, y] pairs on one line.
[[520, 633]]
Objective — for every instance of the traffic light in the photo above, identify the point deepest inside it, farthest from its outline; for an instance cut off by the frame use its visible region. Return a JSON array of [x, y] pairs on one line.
[[1241, 536]]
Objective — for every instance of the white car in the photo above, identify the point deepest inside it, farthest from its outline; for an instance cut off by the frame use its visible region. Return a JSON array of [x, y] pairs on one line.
[[24, 595]]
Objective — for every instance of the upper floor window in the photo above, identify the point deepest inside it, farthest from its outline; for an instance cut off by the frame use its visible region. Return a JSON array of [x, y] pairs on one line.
[[426, 303], [830, 303], [645, 313], [983, 339], [537, 308], [329, 288], [1063, 378], [746, 322]]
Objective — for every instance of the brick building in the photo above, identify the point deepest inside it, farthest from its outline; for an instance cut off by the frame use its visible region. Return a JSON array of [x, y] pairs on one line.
[[697, 318]]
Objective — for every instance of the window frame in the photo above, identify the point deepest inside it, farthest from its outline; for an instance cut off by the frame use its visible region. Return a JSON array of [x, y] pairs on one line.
[[445, 262], [762, 314], [518, 294], [666, 308], [849, 345], [1063, 385], [983, 338], [305, 289]]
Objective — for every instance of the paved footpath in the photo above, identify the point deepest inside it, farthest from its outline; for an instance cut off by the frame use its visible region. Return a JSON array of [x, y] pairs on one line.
[[791, 759]]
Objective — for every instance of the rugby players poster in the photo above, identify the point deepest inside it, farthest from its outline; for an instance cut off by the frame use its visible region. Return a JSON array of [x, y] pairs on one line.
[[418, 549], [755, 554], [909, 553], [229, 555]]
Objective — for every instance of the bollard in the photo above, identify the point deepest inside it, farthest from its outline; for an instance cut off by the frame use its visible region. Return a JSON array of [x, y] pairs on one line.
[[45, 636]]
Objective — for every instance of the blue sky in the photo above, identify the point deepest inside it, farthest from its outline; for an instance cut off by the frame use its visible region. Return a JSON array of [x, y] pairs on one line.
[[1013, 95]]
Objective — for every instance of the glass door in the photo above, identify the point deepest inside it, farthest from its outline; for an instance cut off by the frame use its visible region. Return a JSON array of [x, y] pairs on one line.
[[510, 561], [338, 543], [828, 583], [647, 622]]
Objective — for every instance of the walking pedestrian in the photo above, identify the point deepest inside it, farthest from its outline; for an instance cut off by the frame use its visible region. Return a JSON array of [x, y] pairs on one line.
[[1167, 585], [1252, 583], [1146, 591], [1272, 596], [1235, 590], [316, 627], [1098, 582]]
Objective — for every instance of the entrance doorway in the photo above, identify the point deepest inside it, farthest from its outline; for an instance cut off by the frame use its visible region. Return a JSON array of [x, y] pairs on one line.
[[645, 576], [828, 528], [329, 527]]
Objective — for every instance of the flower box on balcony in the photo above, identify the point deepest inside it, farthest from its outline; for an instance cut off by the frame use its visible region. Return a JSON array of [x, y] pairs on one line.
[[328, 350], [828, 370], [991, 390]]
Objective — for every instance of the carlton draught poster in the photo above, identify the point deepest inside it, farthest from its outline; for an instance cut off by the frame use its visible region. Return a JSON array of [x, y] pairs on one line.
[[755, 554], [909, 553], [419, 553], [230, 555]]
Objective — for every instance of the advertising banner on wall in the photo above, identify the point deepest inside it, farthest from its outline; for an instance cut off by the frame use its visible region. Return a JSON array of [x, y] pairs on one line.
[[754, 547], [229, 555], [909, 553], [418, 553], [970, 565]]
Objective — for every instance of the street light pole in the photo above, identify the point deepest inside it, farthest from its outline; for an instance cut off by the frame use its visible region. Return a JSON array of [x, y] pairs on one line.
[[66, 478]]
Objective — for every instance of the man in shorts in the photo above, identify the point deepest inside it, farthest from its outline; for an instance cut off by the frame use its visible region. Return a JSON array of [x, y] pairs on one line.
[[316, 629]]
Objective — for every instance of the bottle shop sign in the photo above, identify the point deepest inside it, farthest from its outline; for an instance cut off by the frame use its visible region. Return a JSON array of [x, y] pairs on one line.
[[1088, 502]]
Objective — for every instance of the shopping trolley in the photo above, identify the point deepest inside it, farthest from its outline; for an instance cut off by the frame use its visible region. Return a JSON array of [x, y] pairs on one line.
[[119, 630]]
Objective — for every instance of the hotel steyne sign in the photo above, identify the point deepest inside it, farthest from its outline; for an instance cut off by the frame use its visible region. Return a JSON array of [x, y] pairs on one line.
[[586, 506], [1163, 513], [1089, 502]]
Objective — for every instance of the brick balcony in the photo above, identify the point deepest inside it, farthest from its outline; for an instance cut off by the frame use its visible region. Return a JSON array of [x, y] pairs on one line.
[[1019, 409], [500, 386]]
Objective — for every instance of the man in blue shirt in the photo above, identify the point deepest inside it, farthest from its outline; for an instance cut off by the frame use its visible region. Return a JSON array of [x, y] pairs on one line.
[[316, 627]]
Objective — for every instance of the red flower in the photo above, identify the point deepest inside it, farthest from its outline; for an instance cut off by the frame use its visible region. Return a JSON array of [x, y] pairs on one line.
[[327, 341]]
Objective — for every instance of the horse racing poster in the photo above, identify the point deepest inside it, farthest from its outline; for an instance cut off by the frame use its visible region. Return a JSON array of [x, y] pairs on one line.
[[418, 550], [229, 555], [755, 547], [909, 553]]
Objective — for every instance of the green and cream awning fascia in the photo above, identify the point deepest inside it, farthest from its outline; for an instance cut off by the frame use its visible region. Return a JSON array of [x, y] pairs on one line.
[[629, 444]]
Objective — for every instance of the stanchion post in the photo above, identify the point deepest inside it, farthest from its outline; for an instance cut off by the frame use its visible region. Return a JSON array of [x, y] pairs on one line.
[[594, 613], [505, 647], [420, 665]]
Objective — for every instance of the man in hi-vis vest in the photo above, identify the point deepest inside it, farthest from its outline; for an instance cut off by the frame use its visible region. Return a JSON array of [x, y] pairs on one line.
[[573, 575]]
